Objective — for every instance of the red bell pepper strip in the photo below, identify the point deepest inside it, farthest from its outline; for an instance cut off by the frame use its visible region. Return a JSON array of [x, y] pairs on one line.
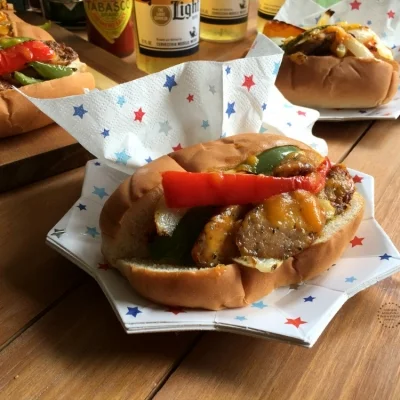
[[15, 58], [188, 189]]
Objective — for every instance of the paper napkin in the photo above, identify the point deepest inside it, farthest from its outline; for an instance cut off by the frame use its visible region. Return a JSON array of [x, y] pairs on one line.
[[139, 121]]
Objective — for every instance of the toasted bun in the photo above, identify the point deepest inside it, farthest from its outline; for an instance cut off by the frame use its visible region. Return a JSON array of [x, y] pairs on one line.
[[21, 28], [127, 219], [331, 82], [18, 115]]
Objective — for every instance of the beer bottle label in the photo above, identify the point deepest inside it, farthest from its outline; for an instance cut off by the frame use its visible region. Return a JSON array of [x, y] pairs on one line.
[[109, 17], [167, 28], [268, 8], [224, 12]]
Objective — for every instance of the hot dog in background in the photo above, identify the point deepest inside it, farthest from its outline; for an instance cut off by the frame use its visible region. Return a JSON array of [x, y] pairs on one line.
[[31, 60]]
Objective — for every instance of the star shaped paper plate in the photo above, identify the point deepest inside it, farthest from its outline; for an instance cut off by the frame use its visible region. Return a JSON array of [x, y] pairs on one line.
[[382, 16], [297, 314], [132, 124]]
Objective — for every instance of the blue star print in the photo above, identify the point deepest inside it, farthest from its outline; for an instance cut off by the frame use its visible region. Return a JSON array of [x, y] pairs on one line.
[[121, 100], [148, 160], [240, 318], [79, 111], [101, 192], [231, 109], [92, 232], [212, 89], [81, 207], [289, 124], [205, 124], [264, 106], [308, 299], [97, 164], [263, 130], [134, 311], [122, 157], [385, 257], [223, 135], [228, 70], [259, 304], [170, 82], [351, 279], [164, 127], [369, 22], [105, 133], [276, 68]]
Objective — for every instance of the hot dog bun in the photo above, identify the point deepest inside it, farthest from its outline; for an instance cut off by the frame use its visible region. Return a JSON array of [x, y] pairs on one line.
[[18, 115], [331, 82], [127, 219]]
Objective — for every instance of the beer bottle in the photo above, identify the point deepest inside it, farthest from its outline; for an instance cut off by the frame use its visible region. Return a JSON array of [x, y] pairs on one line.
[[267, 9], [109, 25], [166, 33], [223, 20]]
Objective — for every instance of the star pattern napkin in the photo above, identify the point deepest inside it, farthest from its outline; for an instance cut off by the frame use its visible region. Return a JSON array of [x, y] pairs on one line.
[[382, 16], [131, 124], [298, 313]]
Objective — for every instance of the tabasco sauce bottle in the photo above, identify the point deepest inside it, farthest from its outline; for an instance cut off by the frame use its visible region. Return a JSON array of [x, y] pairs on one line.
[[109, 25]]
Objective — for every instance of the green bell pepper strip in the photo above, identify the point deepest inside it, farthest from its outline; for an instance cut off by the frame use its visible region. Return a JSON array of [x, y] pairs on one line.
[[289, 46], [269, 159], [50, 71], [24, 80], [176, 249], [6, 42]]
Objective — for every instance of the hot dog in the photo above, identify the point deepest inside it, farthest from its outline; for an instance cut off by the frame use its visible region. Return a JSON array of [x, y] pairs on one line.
[[222, 224], [31, 60], [334, 65]]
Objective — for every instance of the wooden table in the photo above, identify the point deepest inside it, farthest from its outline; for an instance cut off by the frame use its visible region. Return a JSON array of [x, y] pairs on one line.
[[60, 339]]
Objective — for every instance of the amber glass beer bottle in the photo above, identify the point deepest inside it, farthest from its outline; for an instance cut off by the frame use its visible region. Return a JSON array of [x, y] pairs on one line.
[[166, 33], [223, 20], [109, 25]]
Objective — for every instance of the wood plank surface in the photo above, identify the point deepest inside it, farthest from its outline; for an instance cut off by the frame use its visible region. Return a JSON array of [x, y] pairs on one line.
[[355, 358], [51, 363], [79, 351], [38, 155], [33, 276]]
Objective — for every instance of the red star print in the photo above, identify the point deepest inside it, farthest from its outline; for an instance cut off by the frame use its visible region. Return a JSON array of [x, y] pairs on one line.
[[248, 82], [303, 113], [190, 98], [103, 266], [356, 241], [139, 114], [357, 179], [296, 322], [355, 5], [175, 310], [391, 14], [176, 148]]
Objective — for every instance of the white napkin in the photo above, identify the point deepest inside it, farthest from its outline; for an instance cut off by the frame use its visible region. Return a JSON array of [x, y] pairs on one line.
[[139, 121]]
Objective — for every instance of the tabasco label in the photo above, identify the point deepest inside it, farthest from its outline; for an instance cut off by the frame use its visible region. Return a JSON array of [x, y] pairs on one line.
[[109, 17]]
